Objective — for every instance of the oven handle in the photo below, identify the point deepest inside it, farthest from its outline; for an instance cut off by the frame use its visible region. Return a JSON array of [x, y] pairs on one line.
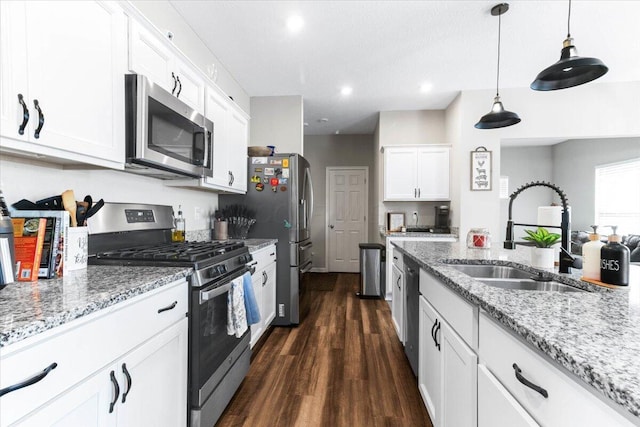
[[219, 290], [207, 295]]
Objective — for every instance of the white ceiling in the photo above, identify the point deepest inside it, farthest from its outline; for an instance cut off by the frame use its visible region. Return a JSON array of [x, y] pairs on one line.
[[386, 49]]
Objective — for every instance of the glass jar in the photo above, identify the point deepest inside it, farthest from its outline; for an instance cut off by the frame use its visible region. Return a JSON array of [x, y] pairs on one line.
[[478, 238]]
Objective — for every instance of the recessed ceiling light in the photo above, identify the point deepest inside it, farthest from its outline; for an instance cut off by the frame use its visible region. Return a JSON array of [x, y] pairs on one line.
[[323, 120], [426, 87], [306, 124], [346, 91], [295, 23], [338, 132]]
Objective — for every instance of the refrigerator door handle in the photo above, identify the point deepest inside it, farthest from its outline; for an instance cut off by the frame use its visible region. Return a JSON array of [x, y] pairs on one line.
[[305, 247], [309, 207], [307, 267]]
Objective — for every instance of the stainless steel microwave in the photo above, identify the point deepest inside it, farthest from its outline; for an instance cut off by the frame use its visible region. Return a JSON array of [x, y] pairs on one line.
[[165, 138]]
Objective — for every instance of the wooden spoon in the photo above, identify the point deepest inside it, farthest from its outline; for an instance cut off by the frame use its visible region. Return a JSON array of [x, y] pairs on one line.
[[69, 203]]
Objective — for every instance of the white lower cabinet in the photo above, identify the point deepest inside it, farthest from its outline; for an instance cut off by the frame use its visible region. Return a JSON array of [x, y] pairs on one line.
[[397, 296], [550, 396], [124, 365], [264, 288], [447, 371], [151, 389], [496, 406]]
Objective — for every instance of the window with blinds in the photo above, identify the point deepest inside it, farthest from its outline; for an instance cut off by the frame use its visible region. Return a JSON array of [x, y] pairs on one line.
[[618, 196]]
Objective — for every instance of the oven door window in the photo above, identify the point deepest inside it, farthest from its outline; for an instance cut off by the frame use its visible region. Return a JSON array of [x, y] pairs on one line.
[[212, 344], [177, 137]]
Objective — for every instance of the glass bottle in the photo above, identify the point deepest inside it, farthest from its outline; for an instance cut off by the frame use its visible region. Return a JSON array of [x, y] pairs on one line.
[[178, 234]]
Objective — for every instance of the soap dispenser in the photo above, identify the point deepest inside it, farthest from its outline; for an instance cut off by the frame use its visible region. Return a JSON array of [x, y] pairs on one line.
[[614, 261], [591, 256]]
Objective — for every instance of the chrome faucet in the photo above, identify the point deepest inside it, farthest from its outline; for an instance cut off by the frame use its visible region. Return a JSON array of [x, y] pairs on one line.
[[566, 259]]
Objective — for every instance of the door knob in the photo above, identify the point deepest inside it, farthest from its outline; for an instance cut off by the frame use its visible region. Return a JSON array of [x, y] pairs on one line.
[[331, 226]]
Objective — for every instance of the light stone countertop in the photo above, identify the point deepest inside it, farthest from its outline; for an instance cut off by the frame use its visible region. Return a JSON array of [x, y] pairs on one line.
[[594, 335], [27, 309]]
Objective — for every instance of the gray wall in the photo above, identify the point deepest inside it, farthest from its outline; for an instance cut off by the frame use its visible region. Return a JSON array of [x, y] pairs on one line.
[[277, 120], [523, 165], [574, 171], [336, 150]]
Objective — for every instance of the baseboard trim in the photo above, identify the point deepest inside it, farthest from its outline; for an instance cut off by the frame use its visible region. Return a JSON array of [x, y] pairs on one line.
[[319, 270]]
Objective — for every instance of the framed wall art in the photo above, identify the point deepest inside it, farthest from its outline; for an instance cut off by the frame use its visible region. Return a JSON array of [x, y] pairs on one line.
[[481, 169], [395, 221]]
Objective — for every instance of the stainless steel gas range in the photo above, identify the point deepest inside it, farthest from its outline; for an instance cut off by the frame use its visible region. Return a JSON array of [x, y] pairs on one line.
[[140, 235]]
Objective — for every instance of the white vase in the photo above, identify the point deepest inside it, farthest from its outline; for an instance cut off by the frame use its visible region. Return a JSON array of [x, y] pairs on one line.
[[542, 257]]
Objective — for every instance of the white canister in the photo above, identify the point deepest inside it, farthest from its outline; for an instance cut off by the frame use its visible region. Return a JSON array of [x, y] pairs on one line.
[[591, 256]]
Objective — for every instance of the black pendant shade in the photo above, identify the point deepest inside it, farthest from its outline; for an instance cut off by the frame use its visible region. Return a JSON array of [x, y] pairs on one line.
[[498, 117], [571, 70]]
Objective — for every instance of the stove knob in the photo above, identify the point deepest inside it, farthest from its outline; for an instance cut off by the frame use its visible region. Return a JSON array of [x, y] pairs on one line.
[[222, 269]]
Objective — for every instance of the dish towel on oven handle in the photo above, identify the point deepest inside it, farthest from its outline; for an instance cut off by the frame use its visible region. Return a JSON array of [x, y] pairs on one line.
[[250, 303], [236, 313]]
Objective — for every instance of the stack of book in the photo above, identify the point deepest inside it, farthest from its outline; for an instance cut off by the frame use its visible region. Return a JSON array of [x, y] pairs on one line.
[[39, 238]]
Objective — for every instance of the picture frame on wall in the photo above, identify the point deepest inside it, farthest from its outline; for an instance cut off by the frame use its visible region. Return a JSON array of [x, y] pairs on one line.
[[481, 169], [395, 221]]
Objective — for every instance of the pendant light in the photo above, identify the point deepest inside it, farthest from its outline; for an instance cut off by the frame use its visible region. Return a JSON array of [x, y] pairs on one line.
[[571, 70], [498, 117]]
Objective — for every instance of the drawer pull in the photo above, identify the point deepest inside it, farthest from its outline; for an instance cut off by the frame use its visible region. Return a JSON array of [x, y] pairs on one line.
[[175, 83], [169, 307], [125, 371], [29, 381], [528, 383], [116, 388]]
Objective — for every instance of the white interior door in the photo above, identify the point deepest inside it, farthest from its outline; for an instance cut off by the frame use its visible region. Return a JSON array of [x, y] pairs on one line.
[[347, 200]]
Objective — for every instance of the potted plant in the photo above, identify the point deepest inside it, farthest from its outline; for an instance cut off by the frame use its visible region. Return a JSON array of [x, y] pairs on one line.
[[542, 254]]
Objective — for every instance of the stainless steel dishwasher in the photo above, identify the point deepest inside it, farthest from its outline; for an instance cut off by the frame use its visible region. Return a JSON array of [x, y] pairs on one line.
[[412, 295]]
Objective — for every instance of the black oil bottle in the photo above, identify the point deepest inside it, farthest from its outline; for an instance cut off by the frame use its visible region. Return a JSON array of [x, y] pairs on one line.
[[614, 261]]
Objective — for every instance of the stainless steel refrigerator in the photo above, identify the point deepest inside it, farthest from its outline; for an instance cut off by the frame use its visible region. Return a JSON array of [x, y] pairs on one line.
[[281, 192]]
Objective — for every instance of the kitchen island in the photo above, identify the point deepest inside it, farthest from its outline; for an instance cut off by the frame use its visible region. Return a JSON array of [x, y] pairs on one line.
[[594, 335]]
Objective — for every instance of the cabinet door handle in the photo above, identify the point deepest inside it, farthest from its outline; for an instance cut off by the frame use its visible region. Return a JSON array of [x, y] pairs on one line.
[[528, 383], [398, 282], [418, 193], [175, 83], [265, 277], [231, 178], [25, 114], [116, 389], [169, 307], [36, 104], [179, 88], [29, 381], [125, 371], [435, 334]]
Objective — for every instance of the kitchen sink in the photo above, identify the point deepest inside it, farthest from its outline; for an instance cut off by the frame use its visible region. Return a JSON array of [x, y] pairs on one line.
[[529, 285], [492, 271]]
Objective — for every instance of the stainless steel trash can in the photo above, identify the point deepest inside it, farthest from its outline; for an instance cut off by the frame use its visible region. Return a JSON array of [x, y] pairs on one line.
[[372, 270]]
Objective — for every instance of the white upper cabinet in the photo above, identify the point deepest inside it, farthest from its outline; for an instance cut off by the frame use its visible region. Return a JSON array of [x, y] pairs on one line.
[[154, 58], [62, 67], [416, 173], [230, 141]]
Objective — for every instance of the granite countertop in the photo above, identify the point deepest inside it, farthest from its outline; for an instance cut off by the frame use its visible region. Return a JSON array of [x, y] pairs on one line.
[[595, 335], [27, 309], [257, 244]]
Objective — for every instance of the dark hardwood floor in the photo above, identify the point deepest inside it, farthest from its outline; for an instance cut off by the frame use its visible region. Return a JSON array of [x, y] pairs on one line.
[[342, 366]]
